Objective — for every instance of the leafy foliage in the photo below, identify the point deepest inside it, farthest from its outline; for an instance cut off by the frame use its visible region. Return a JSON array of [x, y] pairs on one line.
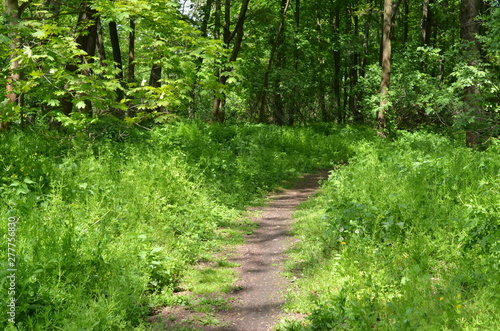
[[405, 237], [112, 217]]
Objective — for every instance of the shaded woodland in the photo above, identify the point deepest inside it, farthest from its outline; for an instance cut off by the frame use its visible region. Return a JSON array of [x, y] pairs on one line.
[[391, 64]]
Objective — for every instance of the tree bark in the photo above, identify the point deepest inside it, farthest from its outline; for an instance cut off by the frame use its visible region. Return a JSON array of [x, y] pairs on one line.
[[155, 75], [131, 53], [117, 56], [115, 45], [386, 68]]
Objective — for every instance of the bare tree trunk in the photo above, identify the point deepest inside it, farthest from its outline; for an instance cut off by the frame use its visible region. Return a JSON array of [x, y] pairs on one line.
[[386, 68]]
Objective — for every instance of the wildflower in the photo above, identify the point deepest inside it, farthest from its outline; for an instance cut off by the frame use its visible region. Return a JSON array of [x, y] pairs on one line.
[[356, 231], [459, 306], [341, 229], [341, 239], [343, 243], [441, 298]]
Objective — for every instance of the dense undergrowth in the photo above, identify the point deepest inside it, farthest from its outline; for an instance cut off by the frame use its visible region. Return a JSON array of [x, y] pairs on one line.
[[407, 237], [110, 218]]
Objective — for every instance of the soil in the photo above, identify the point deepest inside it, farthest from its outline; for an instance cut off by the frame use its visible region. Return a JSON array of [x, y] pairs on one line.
[[260, 291]]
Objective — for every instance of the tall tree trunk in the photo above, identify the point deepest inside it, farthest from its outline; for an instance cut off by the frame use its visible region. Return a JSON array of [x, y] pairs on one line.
[[117, 56], [470, 27], [280, 63], [100, 42], [13, 16], [426, 23], [337, 67], [131, 53], [296, 104], [115, 45], [320, 81], [207, 9], [386, 68], [405, 21], [218, 103], [353, 82]]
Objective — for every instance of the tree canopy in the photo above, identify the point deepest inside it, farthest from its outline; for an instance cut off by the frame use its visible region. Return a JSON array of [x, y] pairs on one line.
[[281, 62]]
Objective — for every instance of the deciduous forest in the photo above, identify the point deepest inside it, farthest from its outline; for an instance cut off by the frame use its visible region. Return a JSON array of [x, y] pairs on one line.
[[134, 135]]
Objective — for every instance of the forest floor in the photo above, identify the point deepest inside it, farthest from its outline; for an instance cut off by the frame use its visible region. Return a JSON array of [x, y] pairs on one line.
[[255, 302]]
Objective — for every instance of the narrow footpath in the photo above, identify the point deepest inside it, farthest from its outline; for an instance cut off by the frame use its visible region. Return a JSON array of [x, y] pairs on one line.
[[260, 289]]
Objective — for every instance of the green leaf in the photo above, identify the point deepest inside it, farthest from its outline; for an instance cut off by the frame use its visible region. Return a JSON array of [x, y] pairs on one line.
[[80, 105]]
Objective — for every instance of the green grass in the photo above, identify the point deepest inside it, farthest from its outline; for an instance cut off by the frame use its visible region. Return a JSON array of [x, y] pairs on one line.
[[404, 238], [113, 219]]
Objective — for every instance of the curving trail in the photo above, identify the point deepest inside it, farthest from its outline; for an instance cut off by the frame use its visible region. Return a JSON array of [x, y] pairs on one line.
[[261, 288]]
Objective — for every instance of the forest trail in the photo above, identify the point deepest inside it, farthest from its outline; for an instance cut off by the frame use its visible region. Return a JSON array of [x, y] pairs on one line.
[[261, 286], [260, 289]]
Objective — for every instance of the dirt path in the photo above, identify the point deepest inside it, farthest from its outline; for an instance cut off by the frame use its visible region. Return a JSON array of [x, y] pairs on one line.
[[261, 288]]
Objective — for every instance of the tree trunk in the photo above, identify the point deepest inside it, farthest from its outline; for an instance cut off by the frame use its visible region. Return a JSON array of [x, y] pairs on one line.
[[470, 27], [337, 68], [100, 42], [131, 52], [280, 63], [425, 23], [155, 75], [117, 56], [13, 16], [206, 16], [218, 103], [353, 82], [386, 68], [405, 21], [115, 45]]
